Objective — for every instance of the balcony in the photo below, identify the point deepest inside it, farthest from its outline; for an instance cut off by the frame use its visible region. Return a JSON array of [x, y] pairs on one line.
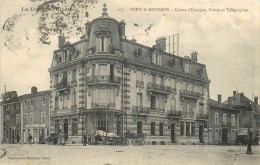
[[140, 110], [187, 115], [139, 83], [102, 106], [159, 88], [161, 111], [203, 117], [174, 114], [65, 86], [103, 79], [189, 94]]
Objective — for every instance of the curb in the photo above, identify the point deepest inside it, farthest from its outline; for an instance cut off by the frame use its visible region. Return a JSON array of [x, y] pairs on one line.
[[2, 152]]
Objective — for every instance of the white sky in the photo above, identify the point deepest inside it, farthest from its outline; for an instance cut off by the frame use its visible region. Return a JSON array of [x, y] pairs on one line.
[[227, 42]]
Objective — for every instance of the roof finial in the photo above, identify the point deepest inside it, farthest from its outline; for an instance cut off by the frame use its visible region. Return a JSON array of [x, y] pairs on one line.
[[104, 10]]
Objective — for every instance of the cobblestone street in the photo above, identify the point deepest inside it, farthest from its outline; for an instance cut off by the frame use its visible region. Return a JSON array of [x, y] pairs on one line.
[[131, 155]]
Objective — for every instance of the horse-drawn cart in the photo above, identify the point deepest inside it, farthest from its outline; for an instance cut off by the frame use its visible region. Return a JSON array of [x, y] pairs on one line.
[[111, 139]]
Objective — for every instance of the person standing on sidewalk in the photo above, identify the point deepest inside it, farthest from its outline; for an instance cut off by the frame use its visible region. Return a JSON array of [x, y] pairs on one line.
[[85, 138], [249, 141]]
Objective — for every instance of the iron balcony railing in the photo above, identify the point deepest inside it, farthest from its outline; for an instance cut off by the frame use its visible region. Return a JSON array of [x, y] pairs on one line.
[[189, 94], [62, 86], [153, 87], [102, 105], [140, 110], [174, 113], [96, 79], [139, 83], [187, 115], [202, 116]]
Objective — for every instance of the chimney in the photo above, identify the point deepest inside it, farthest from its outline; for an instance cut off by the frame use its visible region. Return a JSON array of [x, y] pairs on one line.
[[87, 29], [256, 100], [61, 41], [122, 29], [219, 99], [134, 40], [229, 100], [161, 43], [194, 56], [234, 93], [33, 90]]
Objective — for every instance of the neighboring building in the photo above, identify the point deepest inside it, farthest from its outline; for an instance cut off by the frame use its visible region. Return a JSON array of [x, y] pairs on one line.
[[35, 115], [107, 82], [249, 116], [10, 121], [223, 122]]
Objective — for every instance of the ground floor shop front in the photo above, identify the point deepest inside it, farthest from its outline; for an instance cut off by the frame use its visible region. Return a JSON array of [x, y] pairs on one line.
[[157, 130]]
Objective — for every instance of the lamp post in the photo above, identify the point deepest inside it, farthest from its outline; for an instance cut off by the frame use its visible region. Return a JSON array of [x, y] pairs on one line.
[[249, 132]]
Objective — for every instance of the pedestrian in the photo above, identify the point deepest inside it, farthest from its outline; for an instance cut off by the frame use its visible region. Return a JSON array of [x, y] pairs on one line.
[[17, 138], [249, 141], [89, 140], [85, 138]]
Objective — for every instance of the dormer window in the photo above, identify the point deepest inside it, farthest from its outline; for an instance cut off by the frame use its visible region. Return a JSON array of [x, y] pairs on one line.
[[102, 39]]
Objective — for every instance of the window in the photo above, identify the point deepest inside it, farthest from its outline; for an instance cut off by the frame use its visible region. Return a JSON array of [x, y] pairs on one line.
[[93, 69], [190, 129], [161, 102], [17, 119], [74, 127], [139, 127], [14, 105], [56, 102], [17, 105], [162, 80], [139, 99], [187, 128], [4, 107], [152, 128], [201, 108], [25, 118], [103, 69], [31, 103], [56, 79], [224, 119], [161, 129], [43, 101], [216, 118], [74, 75], [153, 78], [74, 99], [42, 117], [8, 106], [25, 103], [31, 118], [103, 96], [182, 128], [153, 102], [233, 120]]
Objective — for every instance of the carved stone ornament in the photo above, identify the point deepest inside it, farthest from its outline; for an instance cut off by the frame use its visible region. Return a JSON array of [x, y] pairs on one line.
[[172, 62], [139, 53], [91, 51], [118, 67]]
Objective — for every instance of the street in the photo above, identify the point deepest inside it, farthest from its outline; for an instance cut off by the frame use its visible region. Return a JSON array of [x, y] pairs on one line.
[[131, 155]]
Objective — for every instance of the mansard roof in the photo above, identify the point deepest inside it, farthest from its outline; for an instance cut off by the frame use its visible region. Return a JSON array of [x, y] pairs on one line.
[[37, 94]]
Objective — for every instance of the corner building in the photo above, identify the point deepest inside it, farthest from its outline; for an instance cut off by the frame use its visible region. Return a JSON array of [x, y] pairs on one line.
[[107, 82]]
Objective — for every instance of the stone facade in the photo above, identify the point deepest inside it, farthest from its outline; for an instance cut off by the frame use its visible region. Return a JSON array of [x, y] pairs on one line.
[[223, 123], [35, 115], [107, 82]]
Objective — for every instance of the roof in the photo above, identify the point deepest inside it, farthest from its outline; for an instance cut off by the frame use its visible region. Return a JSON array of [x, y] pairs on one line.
[[41, 93], [239, 99], [215, 104]]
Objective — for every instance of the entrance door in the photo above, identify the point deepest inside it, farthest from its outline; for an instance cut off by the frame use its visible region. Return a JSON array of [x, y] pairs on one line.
[[13, 136], [139, 127], [66, 128], [201, 133], [118, 127], [224, 135], [173, 132]]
